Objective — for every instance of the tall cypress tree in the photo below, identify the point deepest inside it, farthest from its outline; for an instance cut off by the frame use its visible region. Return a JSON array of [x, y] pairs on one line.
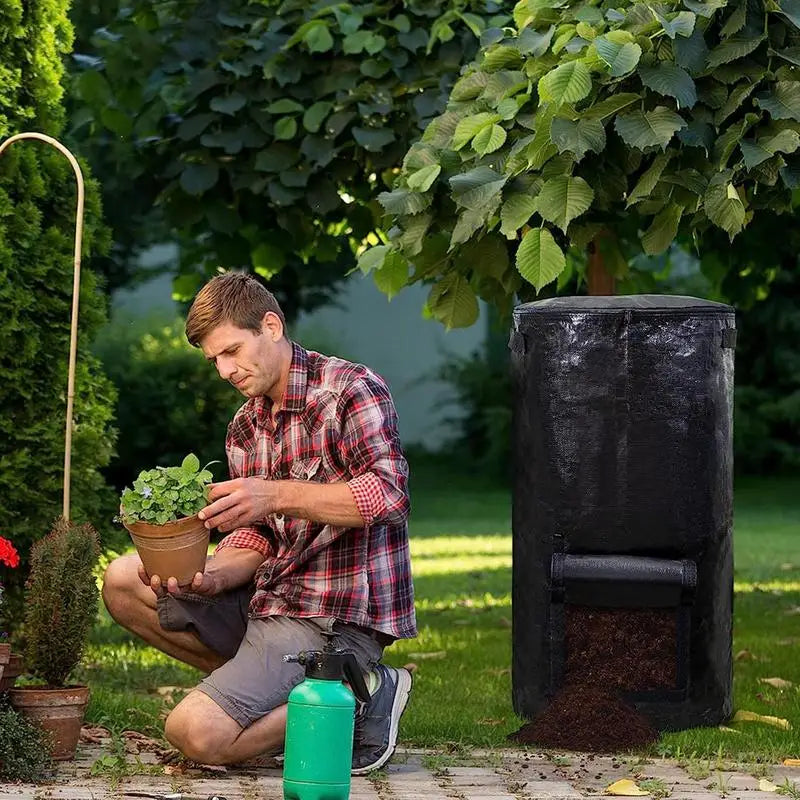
[[37, 215]]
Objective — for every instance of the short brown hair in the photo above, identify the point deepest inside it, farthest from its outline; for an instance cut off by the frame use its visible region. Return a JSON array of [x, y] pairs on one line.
[[234, 297]]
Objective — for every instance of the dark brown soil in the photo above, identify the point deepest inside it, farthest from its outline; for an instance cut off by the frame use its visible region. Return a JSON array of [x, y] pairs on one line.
[[580, 718], [608, 652], [629, 649]]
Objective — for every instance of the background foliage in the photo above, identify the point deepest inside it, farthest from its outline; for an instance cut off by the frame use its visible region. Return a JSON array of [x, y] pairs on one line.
[[37, 208], [265, 130], [591, 124]]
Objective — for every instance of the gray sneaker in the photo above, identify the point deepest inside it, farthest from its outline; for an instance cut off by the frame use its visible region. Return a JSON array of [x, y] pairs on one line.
[[375, 735]]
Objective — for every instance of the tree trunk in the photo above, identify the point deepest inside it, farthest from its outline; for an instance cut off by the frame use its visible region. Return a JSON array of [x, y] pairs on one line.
[[599, 279]]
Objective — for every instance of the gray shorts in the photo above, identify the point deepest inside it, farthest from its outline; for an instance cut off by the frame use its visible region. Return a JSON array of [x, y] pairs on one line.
[[255, 679]]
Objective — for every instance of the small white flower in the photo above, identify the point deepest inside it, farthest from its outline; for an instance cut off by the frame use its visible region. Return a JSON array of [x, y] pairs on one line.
[[147, 492]]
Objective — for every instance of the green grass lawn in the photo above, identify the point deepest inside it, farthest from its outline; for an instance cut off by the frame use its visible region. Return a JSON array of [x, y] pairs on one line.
[[461, 546]]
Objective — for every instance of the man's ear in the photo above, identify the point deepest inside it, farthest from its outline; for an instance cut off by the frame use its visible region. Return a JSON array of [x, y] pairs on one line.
[[272, 326]]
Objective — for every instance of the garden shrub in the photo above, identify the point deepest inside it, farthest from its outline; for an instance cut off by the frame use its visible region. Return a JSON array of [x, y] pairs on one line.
[[37, 218], [24, 748]]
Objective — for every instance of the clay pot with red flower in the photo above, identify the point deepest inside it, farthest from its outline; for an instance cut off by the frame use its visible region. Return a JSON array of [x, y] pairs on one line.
[[9, 558], [61, 599]]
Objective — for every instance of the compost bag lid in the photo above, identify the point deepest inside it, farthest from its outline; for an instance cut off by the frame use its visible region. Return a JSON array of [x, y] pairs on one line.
[[640, 303]]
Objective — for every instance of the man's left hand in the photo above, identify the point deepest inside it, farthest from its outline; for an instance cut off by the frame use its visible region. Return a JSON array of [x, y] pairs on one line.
[[239, 503]]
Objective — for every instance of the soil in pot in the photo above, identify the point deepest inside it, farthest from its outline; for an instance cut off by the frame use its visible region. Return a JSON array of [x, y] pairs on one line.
[[58, 711], [608, 652], [175, 549], [10, 673]]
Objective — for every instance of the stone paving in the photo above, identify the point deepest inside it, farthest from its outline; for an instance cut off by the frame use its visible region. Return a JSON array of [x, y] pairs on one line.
[[416, 775]]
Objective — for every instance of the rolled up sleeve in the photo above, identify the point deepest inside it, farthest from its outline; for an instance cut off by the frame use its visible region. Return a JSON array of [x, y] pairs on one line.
[[370, 448]]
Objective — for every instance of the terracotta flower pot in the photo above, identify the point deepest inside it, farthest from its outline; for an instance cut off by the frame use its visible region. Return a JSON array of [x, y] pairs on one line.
[[5, 656], [175, 549], [58, 711], [9, 674]]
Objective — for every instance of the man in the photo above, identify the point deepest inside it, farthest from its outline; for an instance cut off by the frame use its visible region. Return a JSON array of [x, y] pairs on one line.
[[316, 514]]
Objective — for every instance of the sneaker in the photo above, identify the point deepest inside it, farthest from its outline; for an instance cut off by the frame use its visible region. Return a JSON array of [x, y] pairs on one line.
[[376, 722]]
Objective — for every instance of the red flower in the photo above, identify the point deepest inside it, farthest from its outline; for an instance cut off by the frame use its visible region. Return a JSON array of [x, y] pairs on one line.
[[8, 555]]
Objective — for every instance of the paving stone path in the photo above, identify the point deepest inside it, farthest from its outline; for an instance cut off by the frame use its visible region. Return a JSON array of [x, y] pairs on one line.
[[418, 775]]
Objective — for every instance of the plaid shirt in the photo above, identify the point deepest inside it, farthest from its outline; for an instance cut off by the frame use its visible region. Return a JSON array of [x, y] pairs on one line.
[[337, 423]]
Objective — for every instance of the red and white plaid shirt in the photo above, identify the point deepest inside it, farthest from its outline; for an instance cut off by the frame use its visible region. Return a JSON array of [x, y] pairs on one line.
[[337, 423]]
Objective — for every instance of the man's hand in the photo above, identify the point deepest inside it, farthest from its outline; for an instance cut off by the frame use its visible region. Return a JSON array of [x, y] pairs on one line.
[[207, 583], [239, 503]]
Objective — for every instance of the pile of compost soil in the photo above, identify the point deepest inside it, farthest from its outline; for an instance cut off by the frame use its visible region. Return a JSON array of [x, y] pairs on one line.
[[609, 652]]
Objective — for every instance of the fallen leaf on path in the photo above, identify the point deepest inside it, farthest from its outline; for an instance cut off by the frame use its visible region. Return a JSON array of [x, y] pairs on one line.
[[626, 788], [727, 729], [744, 655], [767, 786], [94, 735], [751, 716], [791, 762], [432, 654], [777, 683], [411, 667]]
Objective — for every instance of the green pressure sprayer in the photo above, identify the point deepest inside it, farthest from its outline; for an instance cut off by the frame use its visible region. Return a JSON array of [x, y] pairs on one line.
[[318, 754]]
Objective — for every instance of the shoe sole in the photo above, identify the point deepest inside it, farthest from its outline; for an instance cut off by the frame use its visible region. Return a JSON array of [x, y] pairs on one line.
[[398, 707]]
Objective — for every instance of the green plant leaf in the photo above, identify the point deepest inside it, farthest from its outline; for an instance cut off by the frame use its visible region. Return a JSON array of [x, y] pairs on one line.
[[402, 201], [650, 177], [722, 204], [517, 209], [609, 106], [564, 198], [735, 21], [578, 136], [373, 139], [285, 128], [373, 258], [228, 104], [392, 275], [452, 302], [691, 52], [199, 178], [539, 259], [284, 106], [705, 9], [662, 231], [469, 127], [756, 152], [733, 48], [734, 102], [783, 102], [535, 43], [469, 86], [422, 179], [791, 10], [643, 129], [489, 139], [476, 188], [567, 83], [671, 81], [315, 115], [680, 24], [621, 58]]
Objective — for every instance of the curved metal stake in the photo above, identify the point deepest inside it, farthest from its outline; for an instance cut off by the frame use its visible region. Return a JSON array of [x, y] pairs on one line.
[[76, 284]]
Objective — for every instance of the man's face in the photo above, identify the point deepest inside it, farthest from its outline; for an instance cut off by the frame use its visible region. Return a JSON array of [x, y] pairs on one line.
[[249, 361]]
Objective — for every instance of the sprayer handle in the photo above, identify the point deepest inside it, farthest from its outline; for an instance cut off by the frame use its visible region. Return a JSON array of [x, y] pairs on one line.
[[354, 677]]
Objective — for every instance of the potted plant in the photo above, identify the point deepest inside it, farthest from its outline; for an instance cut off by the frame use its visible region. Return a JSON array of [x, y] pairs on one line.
[[60, 606], [9, 557], [160, 513]]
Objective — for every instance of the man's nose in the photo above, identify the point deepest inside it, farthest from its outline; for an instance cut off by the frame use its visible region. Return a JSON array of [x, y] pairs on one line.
[[225, 368]]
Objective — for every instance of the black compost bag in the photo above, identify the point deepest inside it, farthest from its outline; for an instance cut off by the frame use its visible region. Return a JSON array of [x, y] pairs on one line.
[[623, 486]]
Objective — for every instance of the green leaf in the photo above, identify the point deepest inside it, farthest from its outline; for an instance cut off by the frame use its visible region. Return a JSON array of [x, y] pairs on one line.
[[611, 105], [470, 127], [670, 81], [413, 233], [284, 106], [373, 258], [452, 302], [392, 276], [735, 21], [643, 129], [564, 198], [315, 115], [650, 177], [474, 189], [783, 102], [661, 233], [516, 211], [539, 259], [567, 83], [727, 141], [790, 54], [318, 39], [373, 139], [191, 464], [228, 104], [691, 52], [285, 128], [401, 201], [199, 178], [489, 139], [680, 24], [469, 86], [786, 141], [533, 43], [722, 204], [622, 58], [422, 179], [705, 9], [791, 10], [733, 48], [734, 102], [578, 136]]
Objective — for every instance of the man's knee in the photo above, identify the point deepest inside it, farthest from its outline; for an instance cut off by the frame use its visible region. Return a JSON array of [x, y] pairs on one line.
[[187, 728], [120, 584]]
